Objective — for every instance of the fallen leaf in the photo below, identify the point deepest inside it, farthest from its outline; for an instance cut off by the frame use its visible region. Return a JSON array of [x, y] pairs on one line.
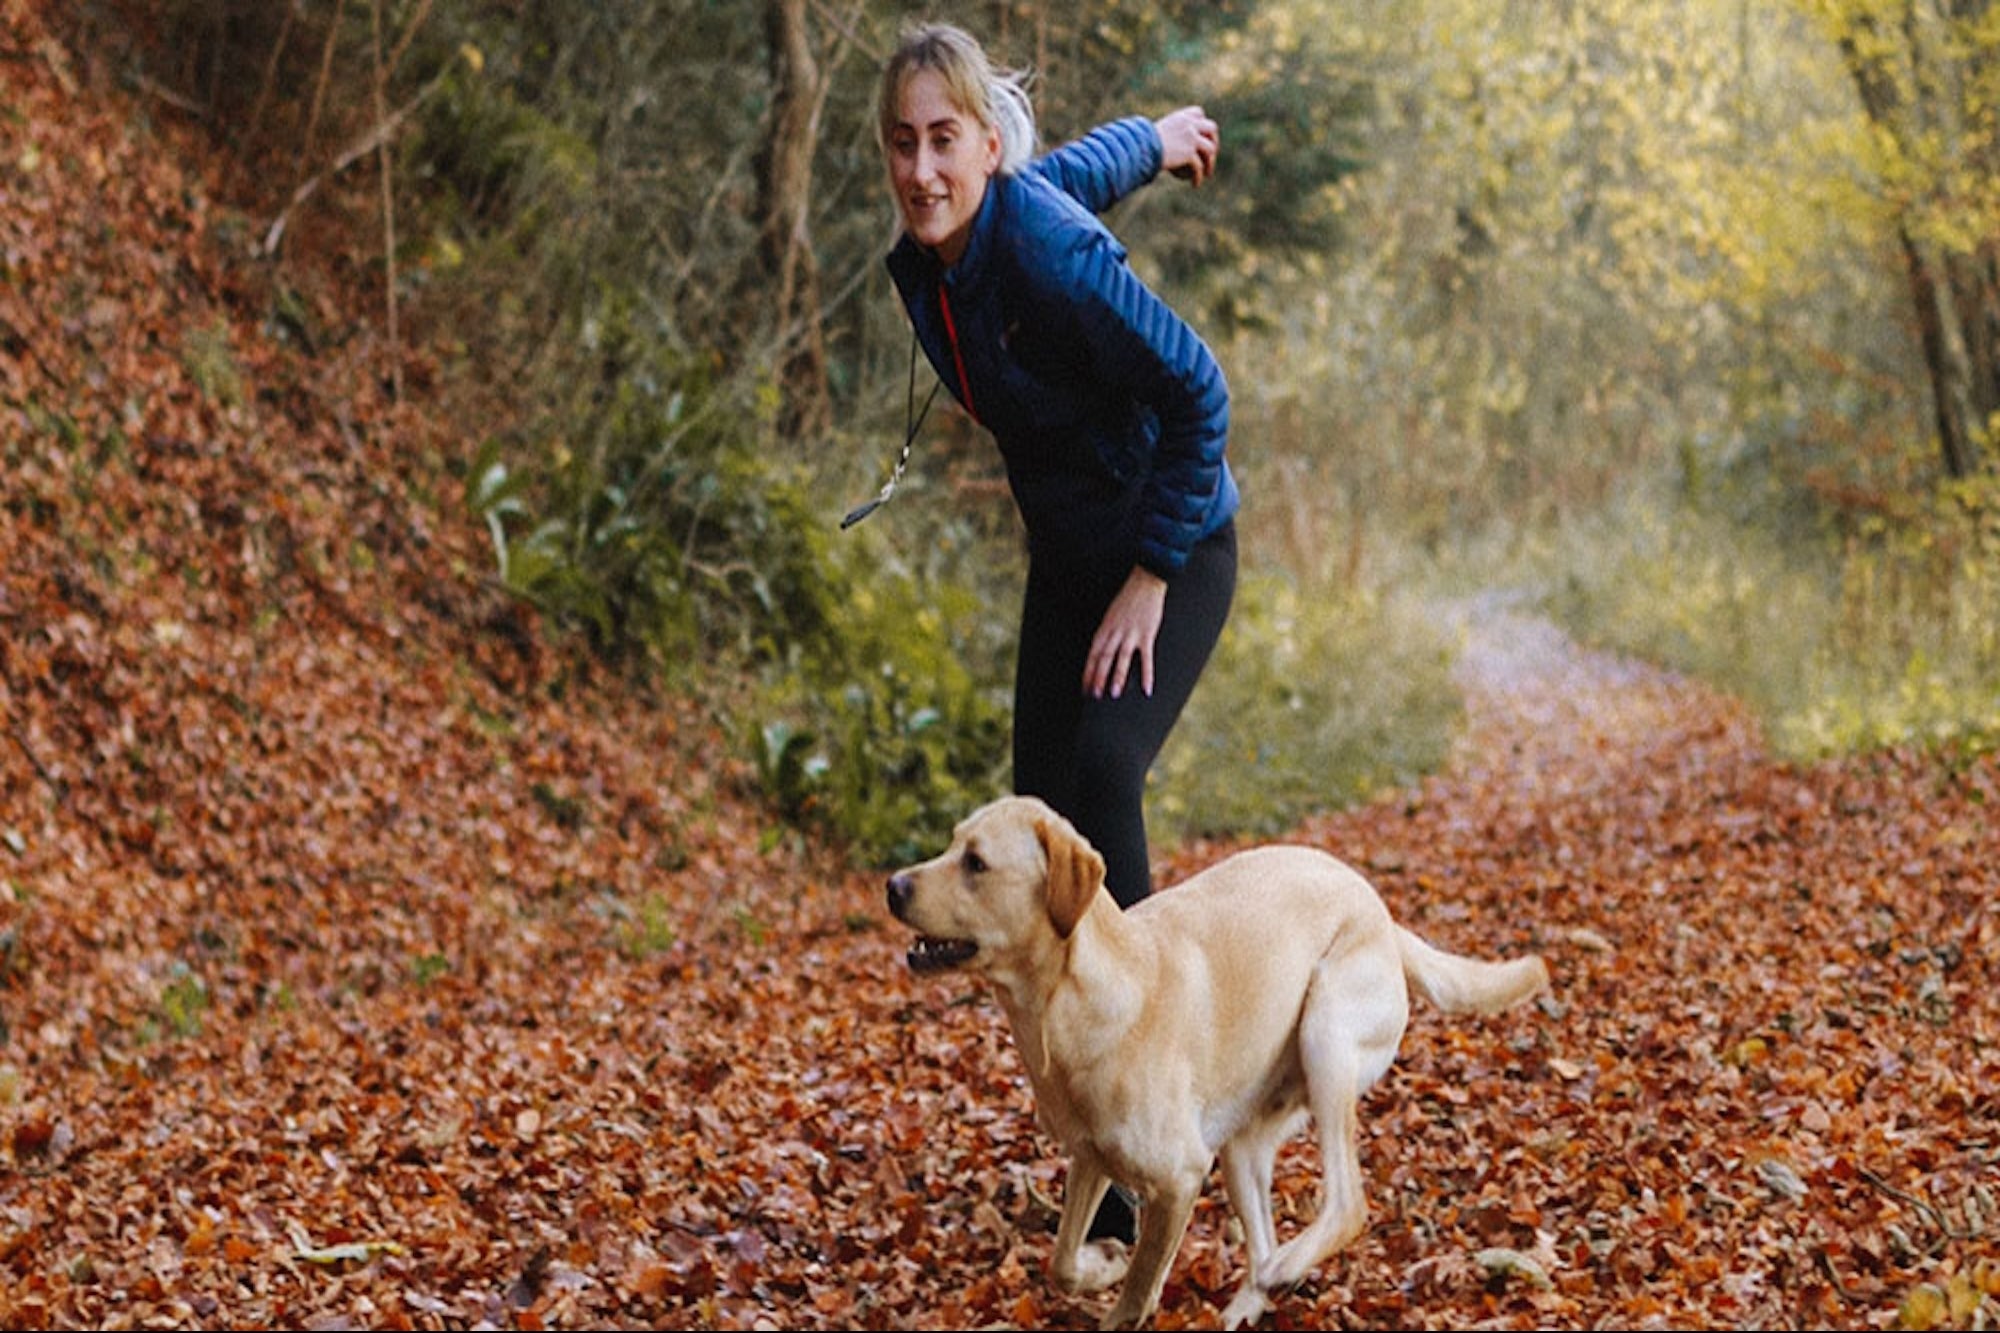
[[360, 1251], [1781, 1179], [1500, 1262]]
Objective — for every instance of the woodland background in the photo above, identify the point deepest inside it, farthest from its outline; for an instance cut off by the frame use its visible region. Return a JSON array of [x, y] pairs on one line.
[[451, 749]]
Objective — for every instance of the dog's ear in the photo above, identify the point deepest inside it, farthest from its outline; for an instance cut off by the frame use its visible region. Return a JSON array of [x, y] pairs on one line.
[[1076, 873]]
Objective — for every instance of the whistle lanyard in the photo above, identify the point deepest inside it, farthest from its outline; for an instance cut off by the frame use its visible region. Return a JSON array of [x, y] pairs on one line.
[[913, 418], [914, 421]]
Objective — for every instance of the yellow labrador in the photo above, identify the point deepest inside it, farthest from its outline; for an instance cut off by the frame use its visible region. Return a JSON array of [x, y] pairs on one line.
[[1211, 1017]]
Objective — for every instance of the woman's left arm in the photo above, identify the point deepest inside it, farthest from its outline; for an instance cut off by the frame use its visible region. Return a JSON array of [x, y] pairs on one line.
[[1140, 349], [1125, 636]]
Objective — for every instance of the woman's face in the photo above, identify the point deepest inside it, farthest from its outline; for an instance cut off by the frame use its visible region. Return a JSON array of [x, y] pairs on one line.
[[940, 159]]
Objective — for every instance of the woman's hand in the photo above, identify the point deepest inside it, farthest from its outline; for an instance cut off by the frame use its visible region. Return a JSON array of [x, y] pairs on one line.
[[1130, 625], [1189, 141]]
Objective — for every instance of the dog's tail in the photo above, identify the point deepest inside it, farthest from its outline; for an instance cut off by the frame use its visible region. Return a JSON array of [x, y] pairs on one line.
[[1468, 985]]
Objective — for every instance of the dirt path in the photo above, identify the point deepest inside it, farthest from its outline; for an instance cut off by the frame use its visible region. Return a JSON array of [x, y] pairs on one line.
[[1553, 723], [1764, 1091]]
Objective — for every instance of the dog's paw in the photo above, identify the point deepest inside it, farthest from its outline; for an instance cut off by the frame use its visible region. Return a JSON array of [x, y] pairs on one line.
[[1099, 1264], [1247, 1308], [1290, 1262]]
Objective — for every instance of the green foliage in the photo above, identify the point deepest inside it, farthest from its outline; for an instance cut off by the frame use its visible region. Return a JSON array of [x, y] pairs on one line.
[[1917, 655], [882, 732], [1587, 242], [1292, 109], [428, 967], [183, 1001], [211, 364], [1471, 267], [1928, 78], [641, 511], [494, 159], [602, 147], [1318, 696], [789, 768], [753, 928], [1887, 634], [651, 931], [644, 516]]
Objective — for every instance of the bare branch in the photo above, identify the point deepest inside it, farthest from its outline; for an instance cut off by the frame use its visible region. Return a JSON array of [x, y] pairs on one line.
[[271, 70], [377, 136], [325, 74]]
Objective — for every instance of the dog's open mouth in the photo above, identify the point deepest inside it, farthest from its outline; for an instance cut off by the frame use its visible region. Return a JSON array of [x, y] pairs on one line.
[[930, 954]]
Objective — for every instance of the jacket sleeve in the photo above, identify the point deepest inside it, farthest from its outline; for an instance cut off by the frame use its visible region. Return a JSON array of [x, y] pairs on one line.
[[1139, 347], [1106, 164]]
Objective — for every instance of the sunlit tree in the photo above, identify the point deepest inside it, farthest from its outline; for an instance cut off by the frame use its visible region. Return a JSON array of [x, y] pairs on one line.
[[1928, 75]]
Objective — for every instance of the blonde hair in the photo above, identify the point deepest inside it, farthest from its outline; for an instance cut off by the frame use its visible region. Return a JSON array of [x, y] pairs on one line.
[[996, 98]]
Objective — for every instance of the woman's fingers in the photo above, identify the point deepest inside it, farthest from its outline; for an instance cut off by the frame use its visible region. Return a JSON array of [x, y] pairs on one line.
[[1128, 629], [1189, 142], [1111, 667]]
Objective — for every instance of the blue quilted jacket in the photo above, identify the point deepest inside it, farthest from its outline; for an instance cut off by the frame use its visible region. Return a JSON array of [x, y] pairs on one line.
[[1110, 412]]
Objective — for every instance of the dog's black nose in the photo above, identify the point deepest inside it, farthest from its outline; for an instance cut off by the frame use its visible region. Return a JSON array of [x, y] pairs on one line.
[[900, 889]]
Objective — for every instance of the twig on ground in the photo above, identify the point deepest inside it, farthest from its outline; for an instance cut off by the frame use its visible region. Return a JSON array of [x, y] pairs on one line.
[[56, 784], [1929, 1211]]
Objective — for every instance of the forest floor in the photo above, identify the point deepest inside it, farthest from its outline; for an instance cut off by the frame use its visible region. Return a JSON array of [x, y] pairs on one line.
[[368, 960]]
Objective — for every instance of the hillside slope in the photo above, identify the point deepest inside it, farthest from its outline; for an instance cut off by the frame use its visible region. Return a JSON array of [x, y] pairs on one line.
[[252, 664], [283, 781]]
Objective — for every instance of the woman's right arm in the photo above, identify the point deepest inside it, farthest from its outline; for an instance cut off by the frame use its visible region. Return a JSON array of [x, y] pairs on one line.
[[1113, 160], [1106, 164]]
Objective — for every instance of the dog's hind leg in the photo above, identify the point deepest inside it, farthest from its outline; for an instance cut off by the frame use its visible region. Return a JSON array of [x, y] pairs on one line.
[[1163, 1220], [1353, 1019], [1077, 1264], [1342, 1210], [1246, 1167]]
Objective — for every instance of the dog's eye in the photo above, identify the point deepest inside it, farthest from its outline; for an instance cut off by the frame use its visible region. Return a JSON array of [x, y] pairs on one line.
[[975, 864]]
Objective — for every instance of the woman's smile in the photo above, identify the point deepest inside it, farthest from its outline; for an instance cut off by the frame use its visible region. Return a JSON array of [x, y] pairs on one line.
[[940, 160]]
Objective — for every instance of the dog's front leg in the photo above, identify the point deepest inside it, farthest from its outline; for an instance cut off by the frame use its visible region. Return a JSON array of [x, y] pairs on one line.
[[1163, 1219], [1078, 1266]]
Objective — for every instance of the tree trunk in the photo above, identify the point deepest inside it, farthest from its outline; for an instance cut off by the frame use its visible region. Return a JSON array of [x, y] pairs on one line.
[[785, 252], [1958, 312], [1956, 292]]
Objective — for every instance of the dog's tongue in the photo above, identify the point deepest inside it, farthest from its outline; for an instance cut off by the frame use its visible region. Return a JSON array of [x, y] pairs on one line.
[[929, 954]]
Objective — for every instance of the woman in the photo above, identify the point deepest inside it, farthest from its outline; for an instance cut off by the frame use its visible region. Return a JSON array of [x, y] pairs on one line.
[[1110, 413]]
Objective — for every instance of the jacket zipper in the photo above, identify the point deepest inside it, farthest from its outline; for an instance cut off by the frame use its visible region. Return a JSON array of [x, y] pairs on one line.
[[957, 357]]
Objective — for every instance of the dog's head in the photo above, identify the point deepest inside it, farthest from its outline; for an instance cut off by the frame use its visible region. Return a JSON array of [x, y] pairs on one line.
[[1016, 873]]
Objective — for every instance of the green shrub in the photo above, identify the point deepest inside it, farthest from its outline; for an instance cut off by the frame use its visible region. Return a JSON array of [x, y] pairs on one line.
[[1915, 657], [638, 508], [900, 726], [211, 364], [884, 731], [644, 514], [1885, 634], [650, 930], [183, 1001], [1319, 695]]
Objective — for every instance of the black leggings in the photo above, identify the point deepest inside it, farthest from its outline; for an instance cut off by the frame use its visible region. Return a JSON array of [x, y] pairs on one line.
[[1087, 757]]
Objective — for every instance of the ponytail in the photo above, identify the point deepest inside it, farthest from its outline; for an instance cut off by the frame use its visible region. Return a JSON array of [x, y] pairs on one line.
[[996, 98], [1014, 117]]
